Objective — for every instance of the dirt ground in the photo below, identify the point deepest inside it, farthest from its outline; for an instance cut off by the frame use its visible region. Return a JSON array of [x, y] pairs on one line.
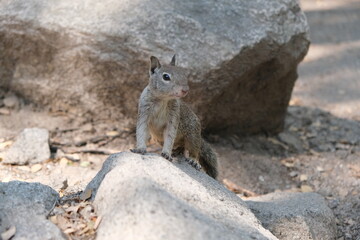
[[318, 151]]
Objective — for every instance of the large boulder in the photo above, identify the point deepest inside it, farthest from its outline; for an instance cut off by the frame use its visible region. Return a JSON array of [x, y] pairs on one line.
[[80, 56], [23, 211], [147, 197], [295, 216]]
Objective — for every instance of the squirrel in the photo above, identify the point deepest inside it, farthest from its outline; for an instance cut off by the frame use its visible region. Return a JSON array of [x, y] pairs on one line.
[[163, 116]]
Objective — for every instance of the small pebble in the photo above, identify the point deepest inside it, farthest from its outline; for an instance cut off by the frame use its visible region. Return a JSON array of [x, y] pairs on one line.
[[333, 203], [293, 173], [11, 101], [35, 168]]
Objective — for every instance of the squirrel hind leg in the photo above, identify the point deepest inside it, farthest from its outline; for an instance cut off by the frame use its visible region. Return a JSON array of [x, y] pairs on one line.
[[180, 152], [193, 163], [177, 152], [192, 145]]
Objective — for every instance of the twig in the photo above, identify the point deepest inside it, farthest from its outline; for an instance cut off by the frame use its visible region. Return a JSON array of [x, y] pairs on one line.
[[96, 139], [52, 208], [92, 151], [237, 189], [66, 130]]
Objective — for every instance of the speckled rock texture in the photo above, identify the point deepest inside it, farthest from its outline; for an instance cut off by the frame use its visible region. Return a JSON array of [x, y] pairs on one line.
[[25, 206], [91, 57], [148, 197], [295, 216]]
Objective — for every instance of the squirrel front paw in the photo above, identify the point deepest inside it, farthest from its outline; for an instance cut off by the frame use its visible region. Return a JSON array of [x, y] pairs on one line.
[[141, 151], [193, 163], [166, 156]]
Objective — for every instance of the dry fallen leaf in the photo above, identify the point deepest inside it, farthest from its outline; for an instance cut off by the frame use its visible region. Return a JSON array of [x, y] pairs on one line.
[[4, 111], [355, 170], [85, 164], [53, 219], [86, 194], [320, 169], [112, 133], [63, 222], [87, 212], [293, 189], [69, 230], [5, 144], [35, 168], [288, 162], [81, 226], [276, 142], [295, 101], [73, 157], [315, 153], [84, 231], [73, 209], [97, 222], [77, 219], [303, 177], [8, 233], [306, 188], [237, 189], [6, 179], [63, 162], [293, 129]]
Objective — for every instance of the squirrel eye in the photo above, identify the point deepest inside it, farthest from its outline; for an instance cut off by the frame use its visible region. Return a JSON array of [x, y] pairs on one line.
[[166, 77]]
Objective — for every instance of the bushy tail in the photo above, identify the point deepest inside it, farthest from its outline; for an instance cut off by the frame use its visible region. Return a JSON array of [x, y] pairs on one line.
[[208, 159]]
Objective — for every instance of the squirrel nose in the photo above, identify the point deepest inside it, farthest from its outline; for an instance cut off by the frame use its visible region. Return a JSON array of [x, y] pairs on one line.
[[185, 89]]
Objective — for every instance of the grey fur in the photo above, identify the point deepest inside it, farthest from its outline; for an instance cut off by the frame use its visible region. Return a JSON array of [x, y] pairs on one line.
[[169, 121]]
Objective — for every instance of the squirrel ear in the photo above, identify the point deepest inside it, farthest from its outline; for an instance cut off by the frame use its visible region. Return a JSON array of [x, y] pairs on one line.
[[173, 60], [154, 63]]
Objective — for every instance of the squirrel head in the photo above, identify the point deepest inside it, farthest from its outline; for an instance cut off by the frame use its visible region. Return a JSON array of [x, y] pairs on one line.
[[168, 81]]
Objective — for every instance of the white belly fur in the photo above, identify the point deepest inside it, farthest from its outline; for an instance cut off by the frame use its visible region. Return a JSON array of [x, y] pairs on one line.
[[158, 121]]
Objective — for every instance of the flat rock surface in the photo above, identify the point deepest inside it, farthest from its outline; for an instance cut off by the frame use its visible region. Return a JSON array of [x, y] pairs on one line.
[[31, 146], [295, 216], [147, 197], [25, 206]]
